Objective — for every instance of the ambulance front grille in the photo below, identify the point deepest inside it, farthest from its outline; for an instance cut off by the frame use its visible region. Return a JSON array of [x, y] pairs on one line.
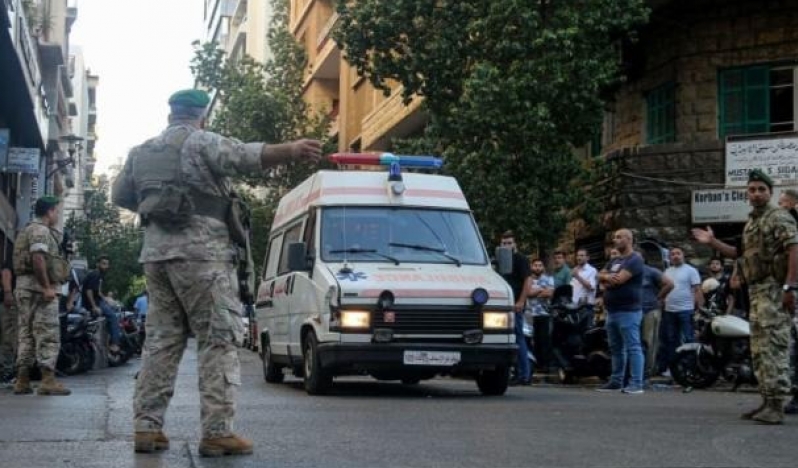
[[427, 321]]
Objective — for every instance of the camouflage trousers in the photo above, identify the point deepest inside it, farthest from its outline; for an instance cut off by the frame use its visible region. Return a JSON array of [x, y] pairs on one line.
[[39, 330], [770, 339], [185, 297], [9, 317]]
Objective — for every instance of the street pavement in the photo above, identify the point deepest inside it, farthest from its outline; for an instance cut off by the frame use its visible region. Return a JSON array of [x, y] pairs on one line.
[[364, 423]]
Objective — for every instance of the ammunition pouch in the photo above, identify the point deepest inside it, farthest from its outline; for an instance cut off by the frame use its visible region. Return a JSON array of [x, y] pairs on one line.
[[57, 269]]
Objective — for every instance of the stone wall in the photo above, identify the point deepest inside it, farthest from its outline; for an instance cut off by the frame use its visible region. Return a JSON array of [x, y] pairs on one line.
[[687, 43]]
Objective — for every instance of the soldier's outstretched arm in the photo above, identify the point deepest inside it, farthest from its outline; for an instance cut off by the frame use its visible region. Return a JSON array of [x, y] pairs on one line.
[[231, 157]]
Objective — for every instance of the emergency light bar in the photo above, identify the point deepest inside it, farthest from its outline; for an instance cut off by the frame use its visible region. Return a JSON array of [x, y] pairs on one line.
[[386, 159]]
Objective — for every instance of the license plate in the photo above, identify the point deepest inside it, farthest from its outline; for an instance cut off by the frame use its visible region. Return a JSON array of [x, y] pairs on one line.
[[432, 358]]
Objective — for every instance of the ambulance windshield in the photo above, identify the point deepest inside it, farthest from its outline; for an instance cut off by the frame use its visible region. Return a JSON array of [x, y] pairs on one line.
[[407, 235]]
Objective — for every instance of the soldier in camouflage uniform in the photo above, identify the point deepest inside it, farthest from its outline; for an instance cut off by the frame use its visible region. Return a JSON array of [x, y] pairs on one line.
[[769, 259], [788, 200], [40, 270], [8, 323], [191, 276]]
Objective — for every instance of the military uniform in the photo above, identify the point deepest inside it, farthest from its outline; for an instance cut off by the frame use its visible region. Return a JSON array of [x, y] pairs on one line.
[[39, 331], [191, 279], [767, 238], [9, 317]]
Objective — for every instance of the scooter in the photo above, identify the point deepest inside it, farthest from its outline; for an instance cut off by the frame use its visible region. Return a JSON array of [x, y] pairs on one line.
[[722, 349]]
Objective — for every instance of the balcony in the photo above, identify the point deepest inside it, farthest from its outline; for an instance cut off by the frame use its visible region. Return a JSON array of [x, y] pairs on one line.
[[391, 118]]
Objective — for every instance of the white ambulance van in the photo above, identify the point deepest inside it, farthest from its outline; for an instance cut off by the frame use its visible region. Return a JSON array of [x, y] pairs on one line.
[[385, 274]]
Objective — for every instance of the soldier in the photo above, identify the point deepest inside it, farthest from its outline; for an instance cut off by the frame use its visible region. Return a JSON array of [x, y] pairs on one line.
[[8, 322], [178, 183], [40, 270], [770, 269]]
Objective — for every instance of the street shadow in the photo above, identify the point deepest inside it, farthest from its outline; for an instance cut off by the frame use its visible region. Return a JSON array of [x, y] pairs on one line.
[[451, 390]]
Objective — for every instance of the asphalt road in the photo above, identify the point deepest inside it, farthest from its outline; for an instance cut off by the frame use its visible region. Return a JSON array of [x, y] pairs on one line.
[[441, 423]]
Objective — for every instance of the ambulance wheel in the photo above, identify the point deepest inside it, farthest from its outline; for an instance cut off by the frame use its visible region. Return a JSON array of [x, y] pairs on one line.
[[493, 382], [316, 380], [272, 372]]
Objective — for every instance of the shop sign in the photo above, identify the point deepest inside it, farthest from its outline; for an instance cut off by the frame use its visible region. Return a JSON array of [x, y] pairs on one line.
[[776, 156], [723, 205], [22, 160]]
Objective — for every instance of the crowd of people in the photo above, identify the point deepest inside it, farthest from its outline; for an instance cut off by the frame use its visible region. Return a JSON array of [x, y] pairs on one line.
[[649, 313]]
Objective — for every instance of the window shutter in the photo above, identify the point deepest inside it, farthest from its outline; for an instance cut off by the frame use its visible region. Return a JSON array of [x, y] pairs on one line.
[[744, 101], [757, 100]]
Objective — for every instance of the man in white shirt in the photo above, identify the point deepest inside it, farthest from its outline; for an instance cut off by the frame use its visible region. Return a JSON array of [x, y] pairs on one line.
[[584, 280], [680, 303]]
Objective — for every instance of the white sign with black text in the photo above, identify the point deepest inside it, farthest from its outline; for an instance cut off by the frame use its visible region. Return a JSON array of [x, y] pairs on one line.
[[776, 156], [724, 205], [23, 160]]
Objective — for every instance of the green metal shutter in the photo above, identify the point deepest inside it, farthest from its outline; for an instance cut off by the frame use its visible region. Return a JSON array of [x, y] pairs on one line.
[[744, 101], [661, 114]]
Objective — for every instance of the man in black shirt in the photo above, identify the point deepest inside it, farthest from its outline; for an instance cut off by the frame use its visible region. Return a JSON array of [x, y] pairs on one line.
[[518, 280], [94, 300]]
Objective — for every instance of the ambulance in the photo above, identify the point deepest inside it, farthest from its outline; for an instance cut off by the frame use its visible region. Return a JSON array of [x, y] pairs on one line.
[[382, 273]]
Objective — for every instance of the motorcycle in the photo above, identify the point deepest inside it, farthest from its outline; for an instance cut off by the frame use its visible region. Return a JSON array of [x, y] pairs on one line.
[[78, 349], [722, 349], [128, 339], [579, 348]]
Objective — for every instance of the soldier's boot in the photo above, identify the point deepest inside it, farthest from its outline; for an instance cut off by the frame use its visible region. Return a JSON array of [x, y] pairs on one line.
[[147, 442], [22, 385], [749, 415], [50, 386], [220, 446], [792, 406], [773, 412]]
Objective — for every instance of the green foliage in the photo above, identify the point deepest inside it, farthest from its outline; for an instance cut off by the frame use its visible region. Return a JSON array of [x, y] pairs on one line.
[[102, 233], [263, 102], [510, 87]]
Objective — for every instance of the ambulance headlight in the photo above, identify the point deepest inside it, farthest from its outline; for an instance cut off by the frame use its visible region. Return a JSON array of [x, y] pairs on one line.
[[497, 320], [355, 319]]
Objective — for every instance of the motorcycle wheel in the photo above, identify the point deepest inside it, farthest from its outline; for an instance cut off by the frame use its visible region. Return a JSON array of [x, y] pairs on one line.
[[69, 359], [687, 371]]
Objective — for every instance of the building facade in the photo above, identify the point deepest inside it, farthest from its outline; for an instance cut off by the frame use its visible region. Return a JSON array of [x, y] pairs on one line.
[[239, 28], [363, 118], [84, 126], [710, 94], [36, 107]]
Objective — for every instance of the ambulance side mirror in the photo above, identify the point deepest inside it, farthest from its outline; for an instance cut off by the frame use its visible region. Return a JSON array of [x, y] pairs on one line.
[[504, 260], [298, 257]]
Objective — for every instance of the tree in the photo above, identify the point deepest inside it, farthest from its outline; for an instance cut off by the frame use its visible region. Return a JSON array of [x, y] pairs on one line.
[[263, 102], [510, 87], [102, 233]]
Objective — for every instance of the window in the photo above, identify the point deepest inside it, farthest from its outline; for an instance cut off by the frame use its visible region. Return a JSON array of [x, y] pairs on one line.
[[293, 234], [758, 99], [661, 115], [412, 235], [272, 255]]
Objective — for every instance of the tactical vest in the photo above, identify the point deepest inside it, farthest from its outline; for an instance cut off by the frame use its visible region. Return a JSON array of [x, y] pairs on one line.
[[763, 254], [163, 197], [57, 267]]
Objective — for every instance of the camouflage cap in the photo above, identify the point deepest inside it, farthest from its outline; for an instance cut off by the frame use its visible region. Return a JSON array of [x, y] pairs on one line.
[[757, 175], [190, 98]]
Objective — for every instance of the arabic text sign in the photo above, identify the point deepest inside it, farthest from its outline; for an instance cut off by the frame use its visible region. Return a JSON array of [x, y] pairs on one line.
[[777, 157], [723, 205], [25, 160]]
